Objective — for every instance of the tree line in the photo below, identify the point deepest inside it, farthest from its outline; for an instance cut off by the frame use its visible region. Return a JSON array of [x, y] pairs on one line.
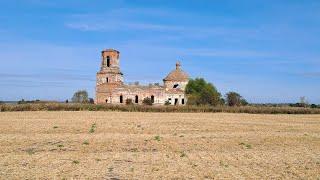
[[200, 92]]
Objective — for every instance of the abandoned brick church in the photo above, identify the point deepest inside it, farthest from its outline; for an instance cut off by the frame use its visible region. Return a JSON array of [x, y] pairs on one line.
[[110, 87]]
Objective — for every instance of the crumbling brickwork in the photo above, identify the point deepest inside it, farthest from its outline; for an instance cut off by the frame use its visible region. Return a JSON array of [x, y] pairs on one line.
[[110, 87]]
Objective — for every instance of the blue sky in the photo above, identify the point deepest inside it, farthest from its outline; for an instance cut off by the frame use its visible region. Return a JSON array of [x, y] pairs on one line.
[[268, 51]]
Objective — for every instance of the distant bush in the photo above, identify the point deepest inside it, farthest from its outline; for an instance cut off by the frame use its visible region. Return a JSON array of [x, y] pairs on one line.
[[22, 101], [145, 108], [129, 102], [147, 101], [91, 100], [313, 106]]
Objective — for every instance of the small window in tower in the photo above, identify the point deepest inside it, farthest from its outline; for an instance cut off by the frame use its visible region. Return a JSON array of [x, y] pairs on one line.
[[108, 61], [175, 86], [106, 100], [136, 99], [107, 80], [121, 99], [152, 98], [182, 101]]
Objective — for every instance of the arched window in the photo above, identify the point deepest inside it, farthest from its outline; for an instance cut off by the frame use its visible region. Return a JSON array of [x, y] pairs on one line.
[[106, 100], [176, 101], [152, 98], [108, 61], [136, 99], [121, 99]]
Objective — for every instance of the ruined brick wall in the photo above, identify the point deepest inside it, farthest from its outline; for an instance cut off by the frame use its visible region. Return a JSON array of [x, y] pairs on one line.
[[113, 97]]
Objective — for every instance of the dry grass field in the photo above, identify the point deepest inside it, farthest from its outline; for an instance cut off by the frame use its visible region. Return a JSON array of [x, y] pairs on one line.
[[120, 145]]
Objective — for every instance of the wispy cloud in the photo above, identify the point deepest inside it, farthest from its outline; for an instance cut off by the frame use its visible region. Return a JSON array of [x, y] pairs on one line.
[[50, 76], [134, 19]]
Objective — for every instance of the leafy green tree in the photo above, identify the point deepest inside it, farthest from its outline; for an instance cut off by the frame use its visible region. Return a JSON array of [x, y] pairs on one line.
[[80, 97], [243, 102], [235, 99], [200, 92]]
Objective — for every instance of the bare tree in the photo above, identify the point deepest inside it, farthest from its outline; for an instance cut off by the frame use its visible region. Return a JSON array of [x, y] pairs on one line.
[[80, 96]]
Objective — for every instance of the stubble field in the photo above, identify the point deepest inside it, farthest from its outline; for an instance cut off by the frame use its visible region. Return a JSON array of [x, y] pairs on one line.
[[120, 145]]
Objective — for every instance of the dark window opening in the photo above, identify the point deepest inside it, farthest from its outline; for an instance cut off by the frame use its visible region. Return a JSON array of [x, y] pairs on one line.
[[182, 101], [108, 61], [152, 99], [176, 86], [136, 99], [107, 79], [121, 99], [106, 100], [176, 101]]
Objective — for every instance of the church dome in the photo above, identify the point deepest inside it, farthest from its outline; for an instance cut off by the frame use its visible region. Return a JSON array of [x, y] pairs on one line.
[[177, 74]]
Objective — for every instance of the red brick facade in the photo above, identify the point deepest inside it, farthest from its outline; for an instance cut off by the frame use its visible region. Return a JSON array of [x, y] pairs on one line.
[[111, 89]]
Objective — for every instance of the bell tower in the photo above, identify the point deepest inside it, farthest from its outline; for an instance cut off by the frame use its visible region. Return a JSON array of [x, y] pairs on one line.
[[110, 68]]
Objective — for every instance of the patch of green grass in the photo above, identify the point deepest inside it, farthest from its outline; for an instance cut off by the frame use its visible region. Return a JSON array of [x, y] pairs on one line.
[[85, 143], [248, 146], [223, 164], [157, 138], [75, 162], [93, 128], [60, 145], [155, 169], [183, 154], [30, 151]]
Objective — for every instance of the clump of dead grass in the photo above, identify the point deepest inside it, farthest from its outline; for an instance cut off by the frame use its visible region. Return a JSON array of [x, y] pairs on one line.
[[141, 108]]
